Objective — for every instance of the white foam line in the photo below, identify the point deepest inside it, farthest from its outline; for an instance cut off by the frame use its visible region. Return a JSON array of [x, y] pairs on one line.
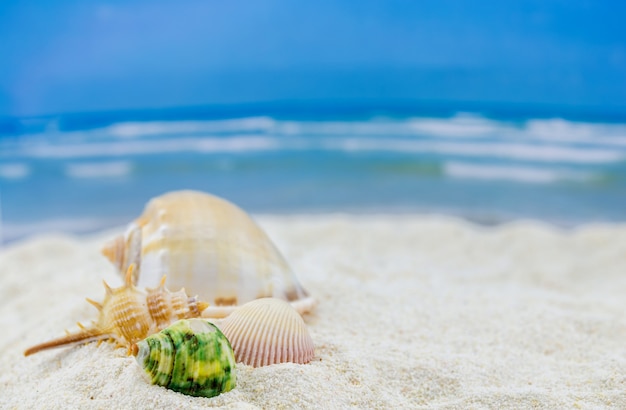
[[121, 148], [99, 169], [14, 171], [566, 131], [512, 173], [545, 153], [459, 126]]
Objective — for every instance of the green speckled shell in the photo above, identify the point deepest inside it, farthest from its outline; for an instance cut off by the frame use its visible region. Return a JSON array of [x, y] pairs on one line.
[[191, 357]]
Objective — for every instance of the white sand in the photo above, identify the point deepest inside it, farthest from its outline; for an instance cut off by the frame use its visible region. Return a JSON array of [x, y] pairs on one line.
[[413, 312]]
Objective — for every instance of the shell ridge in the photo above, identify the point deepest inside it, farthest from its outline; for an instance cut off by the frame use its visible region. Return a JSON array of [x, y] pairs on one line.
[[274, 329], [170, 362], [260, 336], [158, 366], [247, 339], [303, 348], [250, 337], [287, 338], [267, 318]]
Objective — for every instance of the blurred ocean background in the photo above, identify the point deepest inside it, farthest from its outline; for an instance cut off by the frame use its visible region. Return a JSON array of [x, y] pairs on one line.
[[490, 111]]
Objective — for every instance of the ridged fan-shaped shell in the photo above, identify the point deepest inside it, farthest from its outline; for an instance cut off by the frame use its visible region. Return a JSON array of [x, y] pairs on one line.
[[268, 331], [191, 357], [210, 247]]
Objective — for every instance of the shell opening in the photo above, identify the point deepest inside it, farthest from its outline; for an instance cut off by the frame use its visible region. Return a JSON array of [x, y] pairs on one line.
[[199, 326], [141, 351], [114, 251], [133, 250]]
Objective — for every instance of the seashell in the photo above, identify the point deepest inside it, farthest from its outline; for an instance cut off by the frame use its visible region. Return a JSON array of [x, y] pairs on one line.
[[268, 331], [191, 357], [128, 315], [210, 247]]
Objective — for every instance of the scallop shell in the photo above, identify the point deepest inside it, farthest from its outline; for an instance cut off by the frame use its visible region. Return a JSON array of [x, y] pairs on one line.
[[210, 247], [128, 315], [268, 331], [191, 357]]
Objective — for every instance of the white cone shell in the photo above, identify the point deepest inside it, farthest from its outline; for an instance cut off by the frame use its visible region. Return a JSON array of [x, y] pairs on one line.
[[268, 331]]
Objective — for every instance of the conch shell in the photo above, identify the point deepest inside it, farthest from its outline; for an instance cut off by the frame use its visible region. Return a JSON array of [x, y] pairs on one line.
[[268, 331], [210, 247], [128, 315], [191, 357]]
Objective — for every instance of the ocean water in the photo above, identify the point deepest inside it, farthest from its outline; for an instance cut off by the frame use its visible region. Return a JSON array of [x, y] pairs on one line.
[[82, 175]]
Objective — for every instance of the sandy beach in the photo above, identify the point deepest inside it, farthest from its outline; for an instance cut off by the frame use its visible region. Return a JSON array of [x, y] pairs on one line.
[[413, 312]]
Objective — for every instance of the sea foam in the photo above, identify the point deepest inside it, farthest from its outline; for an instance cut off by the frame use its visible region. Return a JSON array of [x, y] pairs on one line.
[[512, 173], [99, 169], [14, 171]]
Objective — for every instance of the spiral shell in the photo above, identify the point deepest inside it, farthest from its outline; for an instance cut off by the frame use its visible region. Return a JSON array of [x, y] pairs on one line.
[[268, 331], [210, 247], [128, 315], [191, 357]]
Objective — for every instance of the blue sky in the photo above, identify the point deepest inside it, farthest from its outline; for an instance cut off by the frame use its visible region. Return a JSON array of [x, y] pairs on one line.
[[73, 56]]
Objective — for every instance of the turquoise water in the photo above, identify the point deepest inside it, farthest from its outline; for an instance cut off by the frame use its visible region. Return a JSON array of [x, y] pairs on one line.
[[84, 173]]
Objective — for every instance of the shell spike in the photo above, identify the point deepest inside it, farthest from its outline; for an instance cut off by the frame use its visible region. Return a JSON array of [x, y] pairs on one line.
[[85, 335], [200, 305], [94, 303], [130, 274], [107, 288], [161, 288]]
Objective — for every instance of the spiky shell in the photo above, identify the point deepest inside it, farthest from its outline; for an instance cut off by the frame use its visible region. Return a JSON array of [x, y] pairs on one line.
[[210, 247], [191, 357], [268, 331], [128, 315]]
